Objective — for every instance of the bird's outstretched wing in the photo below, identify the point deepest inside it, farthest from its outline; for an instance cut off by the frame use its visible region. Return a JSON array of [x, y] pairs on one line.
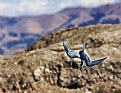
[[95, 62], [89, 62], [71, 53], [84, 45]]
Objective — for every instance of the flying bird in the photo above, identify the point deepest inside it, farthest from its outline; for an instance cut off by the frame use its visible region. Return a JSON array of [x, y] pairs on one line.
[[83, 55]]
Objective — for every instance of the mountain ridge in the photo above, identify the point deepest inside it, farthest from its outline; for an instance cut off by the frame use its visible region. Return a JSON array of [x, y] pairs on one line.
[[22, 30]]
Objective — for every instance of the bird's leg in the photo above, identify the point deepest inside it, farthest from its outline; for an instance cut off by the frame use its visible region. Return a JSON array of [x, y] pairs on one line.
[[80, 66], [71, 63]]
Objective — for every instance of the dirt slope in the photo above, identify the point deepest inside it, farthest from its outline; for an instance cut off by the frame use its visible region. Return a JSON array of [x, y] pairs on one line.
[[45, 67]]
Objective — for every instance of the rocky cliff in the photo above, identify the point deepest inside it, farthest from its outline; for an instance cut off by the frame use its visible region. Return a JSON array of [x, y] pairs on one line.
[[45, 67]]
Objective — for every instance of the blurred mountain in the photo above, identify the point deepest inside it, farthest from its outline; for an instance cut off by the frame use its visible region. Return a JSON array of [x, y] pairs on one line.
[[46, 68], [17, 33]]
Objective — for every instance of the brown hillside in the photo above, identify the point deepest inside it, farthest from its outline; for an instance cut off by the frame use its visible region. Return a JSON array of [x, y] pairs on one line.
[[45, 67]]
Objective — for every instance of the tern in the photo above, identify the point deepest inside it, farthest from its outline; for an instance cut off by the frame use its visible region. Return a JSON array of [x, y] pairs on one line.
[[83, 55]]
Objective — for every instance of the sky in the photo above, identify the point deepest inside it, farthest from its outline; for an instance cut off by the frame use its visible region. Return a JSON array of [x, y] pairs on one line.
[[39, 7]]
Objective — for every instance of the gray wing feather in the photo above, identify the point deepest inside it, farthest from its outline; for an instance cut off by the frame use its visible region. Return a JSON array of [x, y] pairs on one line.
[[71, 53], [94, 62], [84, 46]]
